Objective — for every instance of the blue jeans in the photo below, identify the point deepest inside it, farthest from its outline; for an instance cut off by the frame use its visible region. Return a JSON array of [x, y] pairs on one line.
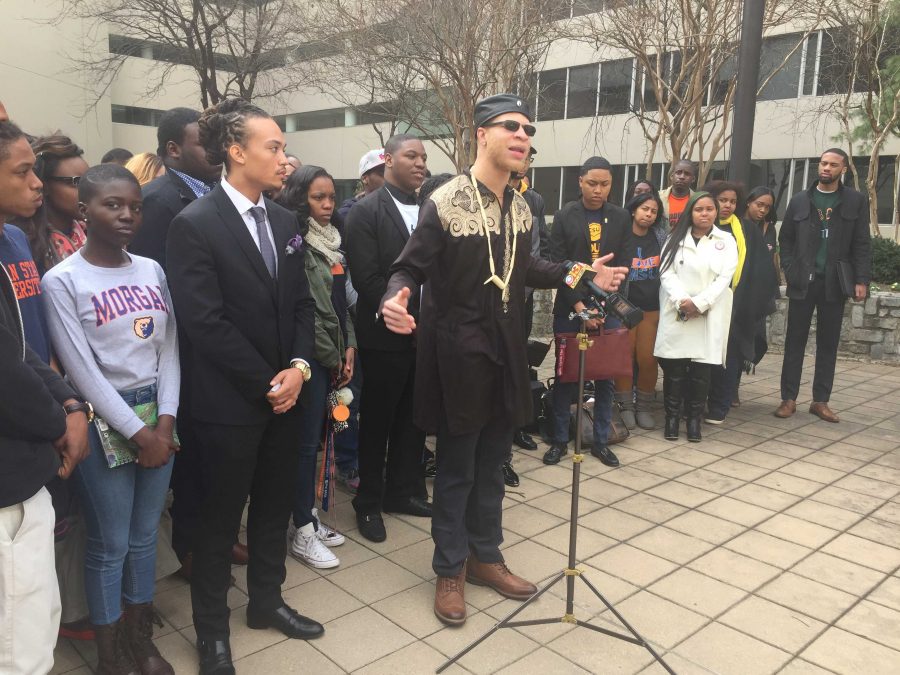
[[312, 425], [346, 443], [121, 508], [565, 393]]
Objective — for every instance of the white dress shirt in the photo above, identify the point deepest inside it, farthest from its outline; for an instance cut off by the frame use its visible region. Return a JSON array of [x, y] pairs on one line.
[[409, 213], [243, 206]]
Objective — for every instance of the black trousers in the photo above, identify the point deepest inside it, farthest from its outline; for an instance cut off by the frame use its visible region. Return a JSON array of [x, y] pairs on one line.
[[724, 380], [829, 315], [387, 431], [468, 496], [187, 488], [261, 462]]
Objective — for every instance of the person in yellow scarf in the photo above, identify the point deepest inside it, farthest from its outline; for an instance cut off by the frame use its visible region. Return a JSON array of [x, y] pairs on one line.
[[754, 285]]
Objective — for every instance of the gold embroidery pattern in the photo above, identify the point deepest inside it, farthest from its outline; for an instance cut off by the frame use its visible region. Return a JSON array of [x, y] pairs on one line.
[[460, 215]]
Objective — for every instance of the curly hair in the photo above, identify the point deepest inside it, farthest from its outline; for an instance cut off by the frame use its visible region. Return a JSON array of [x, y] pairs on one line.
[[295, 195], [224, 125]]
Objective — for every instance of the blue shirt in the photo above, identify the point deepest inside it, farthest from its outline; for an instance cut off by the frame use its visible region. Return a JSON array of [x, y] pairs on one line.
[[198, 187], [15, 256]]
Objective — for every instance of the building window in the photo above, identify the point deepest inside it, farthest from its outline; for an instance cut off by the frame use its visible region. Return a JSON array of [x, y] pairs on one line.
[[546, 182], [582, 101], [615, 86], [146, 117], [786, 82], [774, 174], [570, 189], [551, 103], [582, 7], [314, 119]]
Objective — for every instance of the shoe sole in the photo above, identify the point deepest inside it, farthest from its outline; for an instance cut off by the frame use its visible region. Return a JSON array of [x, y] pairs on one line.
[[710, 420], [315, 564], [478, 582], [331, 543], [447, 620]]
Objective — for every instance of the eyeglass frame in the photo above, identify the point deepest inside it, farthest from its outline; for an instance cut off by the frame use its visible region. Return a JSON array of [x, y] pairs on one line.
[[507, 124], [72, 181]]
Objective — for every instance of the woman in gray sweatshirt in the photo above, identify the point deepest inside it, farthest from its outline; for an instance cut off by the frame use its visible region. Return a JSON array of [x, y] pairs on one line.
[[113, 330]]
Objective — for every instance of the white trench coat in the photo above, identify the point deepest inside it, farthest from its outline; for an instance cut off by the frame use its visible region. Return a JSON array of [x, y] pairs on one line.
[[701, 272]]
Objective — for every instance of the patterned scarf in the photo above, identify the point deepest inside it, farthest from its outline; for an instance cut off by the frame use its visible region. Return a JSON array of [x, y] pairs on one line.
[[326, 240]]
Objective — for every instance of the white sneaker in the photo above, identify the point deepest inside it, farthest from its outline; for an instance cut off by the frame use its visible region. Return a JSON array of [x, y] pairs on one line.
[[327, 534], [308, 548]]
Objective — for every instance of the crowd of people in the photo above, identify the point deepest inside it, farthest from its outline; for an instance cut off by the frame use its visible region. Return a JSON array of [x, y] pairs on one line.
[[191, 328]]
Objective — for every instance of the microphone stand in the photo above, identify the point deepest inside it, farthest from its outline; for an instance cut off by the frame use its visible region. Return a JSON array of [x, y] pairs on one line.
[[571, 572]]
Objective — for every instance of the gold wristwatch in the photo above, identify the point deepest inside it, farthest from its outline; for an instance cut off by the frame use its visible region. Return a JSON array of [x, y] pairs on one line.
[[303, 367]]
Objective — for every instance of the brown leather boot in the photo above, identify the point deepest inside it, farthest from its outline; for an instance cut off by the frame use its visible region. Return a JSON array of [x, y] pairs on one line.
[[786, 409], [821, 410], [498, 577], [113, 652], [449, 599], [138, 626]]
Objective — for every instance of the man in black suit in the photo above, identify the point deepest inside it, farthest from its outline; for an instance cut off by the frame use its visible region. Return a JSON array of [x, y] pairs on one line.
[[585, 229], [377, 229], [235, 268], [188, 176]]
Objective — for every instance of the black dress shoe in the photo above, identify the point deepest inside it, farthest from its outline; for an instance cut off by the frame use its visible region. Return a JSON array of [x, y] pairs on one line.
[[287, 620], [414, 506], [510, 477], [524, 441], [556, 452], [215, 657], [605, 455], [371, 526]]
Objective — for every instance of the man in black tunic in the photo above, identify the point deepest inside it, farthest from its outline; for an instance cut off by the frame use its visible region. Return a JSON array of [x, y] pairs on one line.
[[472, 372]]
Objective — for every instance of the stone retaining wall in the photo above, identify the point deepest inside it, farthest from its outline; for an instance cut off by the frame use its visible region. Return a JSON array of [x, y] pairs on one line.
[[870, 331]]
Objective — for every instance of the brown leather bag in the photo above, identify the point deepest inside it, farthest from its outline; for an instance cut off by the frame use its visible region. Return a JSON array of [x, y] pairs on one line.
[[608, 357]]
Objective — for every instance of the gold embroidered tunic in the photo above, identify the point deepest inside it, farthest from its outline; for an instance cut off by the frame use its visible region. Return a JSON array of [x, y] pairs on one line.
[[471, 358]]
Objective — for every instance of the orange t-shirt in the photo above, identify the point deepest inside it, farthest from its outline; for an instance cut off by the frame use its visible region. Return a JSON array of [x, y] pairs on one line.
[[676, 207]]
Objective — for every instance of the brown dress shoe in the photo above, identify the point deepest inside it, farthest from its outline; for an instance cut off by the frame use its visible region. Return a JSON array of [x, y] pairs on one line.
[[240, 555], [822, 411], [449, 601], [498, 577], [786, 409]]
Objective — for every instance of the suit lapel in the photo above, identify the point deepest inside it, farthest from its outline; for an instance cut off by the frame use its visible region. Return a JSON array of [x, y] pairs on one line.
[[583, 228], [394, 213], [282, 231], [234, 223]]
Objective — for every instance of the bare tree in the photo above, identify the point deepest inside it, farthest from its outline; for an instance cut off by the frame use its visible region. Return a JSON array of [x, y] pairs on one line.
[[235, 47], [866, 40], [429, 61], [685, 54]]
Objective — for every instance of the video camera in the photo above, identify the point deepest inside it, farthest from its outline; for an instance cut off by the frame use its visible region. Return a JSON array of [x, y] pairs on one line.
[[580, 276]]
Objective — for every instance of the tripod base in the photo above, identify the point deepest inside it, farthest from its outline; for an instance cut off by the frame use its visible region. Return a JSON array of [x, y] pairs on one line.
[[507, 622]]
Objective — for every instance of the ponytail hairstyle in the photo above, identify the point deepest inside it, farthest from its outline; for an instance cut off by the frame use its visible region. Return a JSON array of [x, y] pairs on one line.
[[224, 125], [685, 223]]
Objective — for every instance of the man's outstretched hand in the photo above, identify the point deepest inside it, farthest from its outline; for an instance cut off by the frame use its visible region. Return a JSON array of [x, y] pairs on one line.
[[608, 278], [396, 318]]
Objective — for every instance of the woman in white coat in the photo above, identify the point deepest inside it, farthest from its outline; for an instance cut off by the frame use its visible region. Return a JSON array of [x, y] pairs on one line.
[[697, 265]]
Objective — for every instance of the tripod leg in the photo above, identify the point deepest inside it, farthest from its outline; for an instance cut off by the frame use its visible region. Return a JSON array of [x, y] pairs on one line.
[[503, 623]]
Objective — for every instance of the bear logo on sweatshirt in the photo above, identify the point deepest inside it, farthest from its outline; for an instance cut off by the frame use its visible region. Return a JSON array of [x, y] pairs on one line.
[[143, 327]]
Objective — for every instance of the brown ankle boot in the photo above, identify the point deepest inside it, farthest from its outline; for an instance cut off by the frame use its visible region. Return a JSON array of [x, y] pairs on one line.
[[138, 626], [112, 649], [449, 599], [498, 577]]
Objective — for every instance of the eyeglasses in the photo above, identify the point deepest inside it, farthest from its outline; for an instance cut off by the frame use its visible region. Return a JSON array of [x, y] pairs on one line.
[[512, 126], [68, 180]]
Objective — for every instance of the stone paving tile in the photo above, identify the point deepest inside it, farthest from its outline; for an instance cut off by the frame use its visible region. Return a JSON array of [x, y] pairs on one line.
[[772, 546]]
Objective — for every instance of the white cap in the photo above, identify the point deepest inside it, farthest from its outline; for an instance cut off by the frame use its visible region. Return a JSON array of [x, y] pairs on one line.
[[371, 160]]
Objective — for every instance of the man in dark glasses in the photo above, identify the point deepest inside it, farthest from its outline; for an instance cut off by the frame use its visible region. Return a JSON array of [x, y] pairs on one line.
[[472, 245]]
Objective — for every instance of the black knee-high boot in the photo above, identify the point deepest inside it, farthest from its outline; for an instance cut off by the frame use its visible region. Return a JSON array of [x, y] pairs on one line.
[[674, 376], [698, 390]]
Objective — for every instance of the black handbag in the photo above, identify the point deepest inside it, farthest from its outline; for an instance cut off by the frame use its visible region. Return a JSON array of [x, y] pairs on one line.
[[846, 278]]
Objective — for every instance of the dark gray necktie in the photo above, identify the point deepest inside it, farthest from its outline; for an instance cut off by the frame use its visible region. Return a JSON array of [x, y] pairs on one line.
[[265, 243]]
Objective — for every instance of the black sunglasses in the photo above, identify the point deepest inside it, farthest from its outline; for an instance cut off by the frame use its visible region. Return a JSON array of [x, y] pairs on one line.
[[512, 126], [68, 180]]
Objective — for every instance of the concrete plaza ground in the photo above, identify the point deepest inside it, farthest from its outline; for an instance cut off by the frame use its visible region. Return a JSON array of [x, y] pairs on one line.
[[771, 547]]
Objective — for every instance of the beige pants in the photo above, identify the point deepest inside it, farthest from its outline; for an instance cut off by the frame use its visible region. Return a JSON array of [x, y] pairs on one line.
[[29, 594]]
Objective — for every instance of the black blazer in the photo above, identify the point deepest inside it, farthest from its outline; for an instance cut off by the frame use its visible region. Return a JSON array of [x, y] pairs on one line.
[[243, 327], [374, 236], [570, 240], [164, 198]]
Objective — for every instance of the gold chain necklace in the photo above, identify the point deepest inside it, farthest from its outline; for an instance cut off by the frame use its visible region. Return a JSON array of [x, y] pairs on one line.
[[509, 255]]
